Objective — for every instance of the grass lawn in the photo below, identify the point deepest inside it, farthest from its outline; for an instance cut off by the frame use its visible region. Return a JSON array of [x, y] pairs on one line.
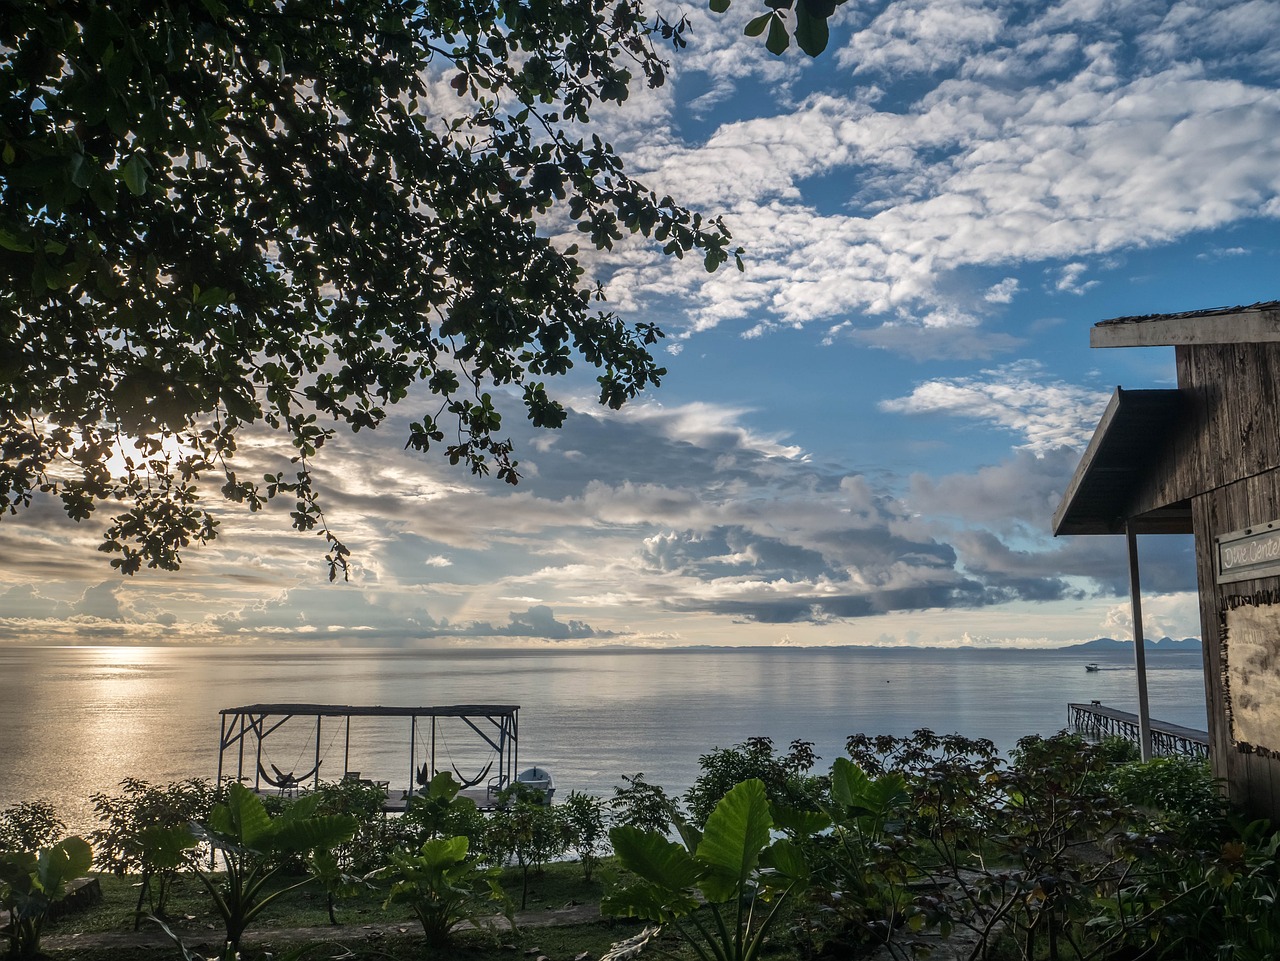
[[560, 922]]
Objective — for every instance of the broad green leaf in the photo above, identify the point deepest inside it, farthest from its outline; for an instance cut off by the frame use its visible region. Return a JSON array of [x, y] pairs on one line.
[[650, 902], [812, 31], [164, 846], [65, 861], [10, 241], [719, 6], [756, 26], [444, 851], [307, 834], [849, 783], [651, 856], [787, 860], [778, 40], [242, 819], [134, 174], [734, 835], [799, 823]]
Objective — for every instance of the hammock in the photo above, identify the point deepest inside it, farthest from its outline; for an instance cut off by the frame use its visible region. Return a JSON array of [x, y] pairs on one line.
[[475, 780], [285, 781]]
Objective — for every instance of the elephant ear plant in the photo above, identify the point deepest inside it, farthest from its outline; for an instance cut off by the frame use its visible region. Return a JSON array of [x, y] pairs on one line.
[[30, 883], [722, 887], [252, 846]]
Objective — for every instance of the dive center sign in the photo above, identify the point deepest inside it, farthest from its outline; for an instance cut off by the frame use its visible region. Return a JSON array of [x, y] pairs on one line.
[[1252, 552]]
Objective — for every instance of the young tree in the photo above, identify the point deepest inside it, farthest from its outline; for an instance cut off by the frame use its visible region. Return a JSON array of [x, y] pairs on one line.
[[296, 214]]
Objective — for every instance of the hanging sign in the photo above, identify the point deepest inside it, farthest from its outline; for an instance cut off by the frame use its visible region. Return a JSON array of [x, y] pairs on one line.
[[1252, 552]]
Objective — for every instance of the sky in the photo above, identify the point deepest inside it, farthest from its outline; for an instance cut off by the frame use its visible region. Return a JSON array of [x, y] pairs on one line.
[[863, 437]]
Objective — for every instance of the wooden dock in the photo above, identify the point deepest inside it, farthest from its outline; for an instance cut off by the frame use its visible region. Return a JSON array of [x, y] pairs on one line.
[[1166, 739]]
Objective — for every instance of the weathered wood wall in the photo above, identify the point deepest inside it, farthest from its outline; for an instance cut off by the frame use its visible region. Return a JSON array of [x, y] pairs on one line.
[[1227, 459]]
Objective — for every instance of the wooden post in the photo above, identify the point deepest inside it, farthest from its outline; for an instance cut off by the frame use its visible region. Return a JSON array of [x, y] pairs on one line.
[[1139, 644]]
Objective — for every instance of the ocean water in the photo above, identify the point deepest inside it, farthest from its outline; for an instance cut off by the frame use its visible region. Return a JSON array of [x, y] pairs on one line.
[[76, 720]]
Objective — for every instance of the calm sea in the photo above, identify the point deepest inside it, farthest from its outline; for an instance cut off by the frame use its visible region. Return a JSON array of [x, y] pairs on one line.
[[74, 721]]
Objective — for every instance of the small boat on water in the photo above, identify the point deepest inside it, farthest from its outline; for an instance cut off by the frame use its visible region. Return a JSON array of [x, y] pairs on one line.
[[1092, 666], [538, 779]]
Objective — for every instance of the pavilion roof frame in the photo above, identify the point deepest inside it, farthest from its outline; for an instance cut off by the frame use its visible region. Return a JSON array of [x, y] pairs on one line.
[[498, 725]]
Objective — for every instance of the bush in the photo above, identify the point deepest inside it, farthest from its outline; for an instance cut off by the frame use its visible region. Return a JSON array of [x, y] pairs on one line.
[[642, 805], [584, 822], [29, 826], [121, 845], [1180, 794], [783, 775]]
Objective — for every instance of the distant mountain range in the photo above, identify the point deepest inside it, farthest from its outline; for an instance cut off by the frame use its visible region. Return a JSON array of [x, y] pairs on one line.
[[1106, 645]]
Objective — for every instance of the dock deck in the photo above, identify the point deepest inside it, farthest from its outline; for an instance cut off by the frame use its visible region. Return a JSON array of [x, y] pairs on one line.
[[1166, 739]]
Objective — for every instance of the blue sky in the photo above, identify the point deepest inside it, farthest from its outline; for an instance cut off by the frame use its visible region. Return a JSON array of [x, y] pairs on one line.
[[862, 438]]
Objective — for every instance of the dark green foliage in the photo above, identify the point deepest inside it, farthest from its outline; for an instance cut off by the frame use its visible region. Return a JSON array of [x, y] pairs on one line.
[[723, 887], [1118, 749], [440, 811], [31, 882], [785, 776], [527, 830], [126, 843], [29, 826], [233, 213], [441, 885], [251, 845], [1179, 793], [642, 805], [583, 817]]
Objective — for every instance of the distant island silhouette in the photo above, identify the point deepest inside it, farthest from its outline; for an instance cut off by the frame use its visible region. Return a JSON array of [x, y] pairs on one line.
[[1104, 644]]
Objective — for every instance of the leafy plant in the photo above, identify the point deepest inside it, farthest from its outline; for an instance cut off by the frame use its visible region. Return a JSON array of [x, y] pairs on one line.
[[31, 882], [583, 817], [29, 825], [642, 805], [858, 894], [528, 830], [127, 842], [440, 810], [711, 885], [1177, 794], [441, 885], [251, 843], [784, 776]]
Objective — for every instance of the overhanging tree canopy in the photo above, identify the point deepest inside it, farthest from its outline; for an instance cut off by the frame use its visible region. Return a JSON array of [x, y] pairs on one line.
[[238, 212]]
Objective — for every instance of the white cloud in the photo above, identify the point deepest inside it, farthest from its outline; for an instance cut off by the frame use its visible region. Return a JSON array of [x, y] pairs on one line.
[[1003, 292], [1045, 413]]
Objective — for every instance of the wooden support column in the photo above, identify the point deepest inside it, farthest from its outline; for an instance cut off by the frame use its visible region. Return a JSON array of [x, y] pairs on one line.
[[1139, 644]]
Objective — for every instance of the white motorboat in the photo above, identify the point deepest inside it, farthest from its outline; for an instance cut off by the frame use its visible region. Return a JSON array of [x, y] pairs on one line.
[[538, 779]]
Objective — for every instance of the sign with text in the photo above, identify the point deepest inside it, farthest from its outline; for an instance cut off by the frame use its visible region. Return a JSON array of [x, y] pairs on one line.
[[1252, 552]]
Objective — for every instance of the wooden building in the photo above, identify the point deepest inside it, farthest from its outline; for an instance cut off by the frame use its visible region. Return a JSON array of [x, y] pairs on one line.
[[1205, 459]]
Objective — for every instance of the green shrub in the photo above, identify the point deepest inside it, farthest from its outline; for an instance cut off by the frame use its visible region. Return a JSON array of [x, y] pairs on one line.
[[1180, 794], [31, 882], [784, 775], [29, 826], [642, 805], [584, 822], [441, 885], [119, 845]]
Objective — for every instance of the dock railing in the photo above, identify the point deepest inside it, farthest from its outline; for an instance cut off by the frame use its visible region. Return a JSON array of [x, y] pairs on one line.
[[1166, 739]]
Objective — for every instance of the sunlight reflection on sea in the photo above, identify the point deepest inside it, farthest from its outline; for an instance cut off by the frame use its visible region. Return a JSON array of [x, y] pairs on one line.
[[74, 721]]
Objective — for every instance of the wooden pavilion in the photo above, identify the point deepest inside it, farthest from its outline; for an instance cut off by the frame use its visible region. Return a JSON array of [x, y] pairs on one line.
[[1204, 459], [246, 730]]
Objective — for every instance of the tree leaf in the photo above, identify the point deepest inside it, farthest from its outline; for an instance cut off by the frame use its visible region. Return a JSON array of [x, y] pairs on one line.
[[719, 6], [778, 40], [652, 857], [812, 31], [756, 26], [134, 174], [734, 835]]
